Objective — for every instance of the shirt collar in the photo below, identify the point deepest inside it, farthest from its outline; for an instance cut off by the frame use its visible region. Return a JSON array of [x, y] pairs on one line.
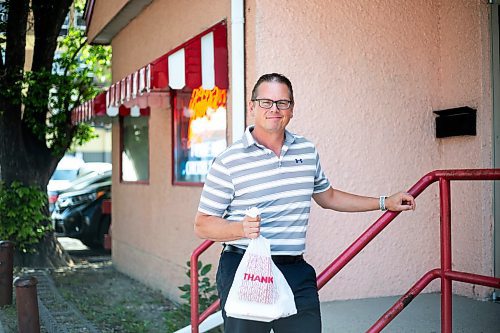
[[248, 139]]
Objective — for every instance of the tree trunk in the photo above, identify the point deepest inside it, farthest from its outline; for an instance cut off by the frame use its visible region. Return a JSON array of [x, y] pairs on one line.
[[18, 165], [49, 254]]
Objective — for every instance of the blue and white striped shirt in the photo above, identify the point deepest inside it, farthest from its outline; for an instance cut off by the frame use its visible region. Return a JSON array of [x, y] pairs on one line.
[[248, 174]]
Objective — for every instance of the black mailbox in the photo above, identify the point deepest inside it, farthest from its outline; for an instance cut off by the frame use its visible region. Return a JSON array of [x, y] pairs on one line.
[[457, 121]]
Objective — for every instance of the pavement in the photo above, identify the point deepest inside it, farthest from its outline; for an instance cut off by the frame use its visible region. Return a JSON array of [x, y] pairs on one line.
[[55, 313], [353, 316], [422, 315]]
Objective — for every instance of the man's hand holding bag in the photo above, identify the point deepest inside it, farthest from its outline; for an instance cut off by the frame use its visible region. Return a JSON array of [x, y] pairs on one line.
[[259, 290]]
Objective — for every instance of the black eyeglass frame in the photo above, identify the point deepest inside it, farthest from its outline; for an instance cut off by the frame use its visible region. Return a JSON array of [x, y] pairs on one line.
[[290, 103]]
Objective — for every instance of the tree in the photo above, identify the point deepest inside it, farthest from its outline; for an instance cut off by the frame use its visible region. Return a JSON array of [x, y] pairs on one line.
[[36, 103]]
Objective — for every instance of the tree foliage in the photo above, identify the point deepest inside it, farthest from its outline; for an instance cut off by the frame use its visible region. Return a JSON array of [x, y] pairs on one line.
[[51, 93]]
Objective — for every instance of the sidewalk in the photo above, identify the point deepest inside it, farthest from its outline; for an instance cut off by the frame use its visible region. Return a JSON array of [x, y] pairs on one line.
[[55, 313], [422, 315]]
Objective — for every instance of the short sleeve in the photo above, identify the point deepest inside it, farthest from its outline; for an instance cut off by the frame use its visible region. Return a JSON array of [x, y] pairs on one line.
[[321, 182], [218, 190]]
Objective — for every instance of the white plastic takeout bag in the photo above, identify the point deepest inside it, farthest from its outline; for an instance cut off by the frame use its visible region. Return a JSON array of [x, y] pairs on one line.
[[259, 290]]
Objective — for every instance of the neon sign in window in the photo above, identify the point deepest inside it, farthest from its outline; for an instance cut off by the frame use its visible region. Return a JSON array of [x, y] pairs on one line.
[[199, 132]]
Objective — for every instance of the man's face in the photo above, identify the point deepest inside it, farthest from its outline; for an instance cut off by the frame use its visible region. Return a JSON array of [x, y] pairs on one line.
[[271, 120]]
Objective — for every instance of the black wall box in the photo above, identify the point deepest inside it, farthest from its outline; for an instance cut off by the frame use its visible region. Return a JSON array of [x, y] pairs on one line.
[[457, 121]]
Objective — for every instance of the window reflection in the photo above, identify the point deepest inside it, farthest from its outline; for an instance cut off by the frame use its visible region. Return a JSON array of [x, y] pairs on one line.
[[135, 149]]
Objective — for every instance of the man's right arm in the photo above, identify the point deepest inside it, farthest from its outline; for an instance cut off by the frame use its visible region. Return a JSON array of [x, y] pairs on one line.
[[220, 230]]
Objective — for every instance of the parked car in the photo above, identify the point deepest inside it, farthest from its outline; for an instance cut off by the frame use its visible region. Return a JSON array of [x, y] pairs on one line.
[[78, 210], [84, 172], [65, 172]]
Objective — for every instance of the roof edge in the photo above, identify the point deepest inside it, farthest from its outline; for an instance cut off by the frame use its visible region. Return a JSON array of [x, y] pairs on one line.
[[126, 14]]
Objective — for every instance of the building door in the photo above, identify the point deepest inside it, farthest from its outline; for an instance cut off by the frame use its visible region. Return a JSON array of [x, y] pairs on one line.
[[495, 33]]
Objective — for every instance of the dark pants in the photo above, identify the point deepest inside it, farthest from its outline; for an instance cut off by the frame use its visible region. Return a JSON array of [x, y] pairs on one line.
[[302, 280]]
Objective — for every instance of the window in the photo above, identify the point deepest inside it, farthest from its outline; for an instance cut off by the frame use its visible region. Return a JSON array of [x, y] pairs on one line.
[[75, 19], [134, 149], [80, 21], [199, 132]]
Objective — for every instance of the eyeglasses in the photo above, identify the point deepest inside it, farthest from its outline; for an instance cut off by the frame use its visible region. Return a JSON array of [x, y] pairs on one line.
[[282, 104]]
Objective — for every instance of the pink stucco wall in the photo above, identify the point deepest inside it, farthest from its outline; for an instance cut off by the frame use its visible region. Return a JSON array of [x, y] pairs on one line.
[[367, 76], [153, 224]]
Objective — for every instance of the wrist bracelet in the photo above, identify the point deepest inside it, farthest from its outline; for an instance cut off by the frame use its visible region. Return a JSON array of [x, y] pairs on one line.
[[381, 203]]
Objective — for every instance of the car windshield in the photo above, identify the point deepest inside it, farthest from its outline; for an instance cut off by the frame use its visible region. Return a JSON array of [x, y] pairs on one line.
[[64, 174]]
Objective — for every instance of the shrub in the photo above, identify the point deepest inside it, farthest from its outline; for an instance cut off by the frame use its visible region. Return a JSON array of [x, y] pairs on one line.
[[21, 215], [181, 316]]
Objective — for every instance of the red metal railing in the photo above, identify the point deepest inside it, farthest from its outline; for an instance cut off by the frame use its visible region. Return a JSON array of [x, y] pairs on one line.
[[445, 272]]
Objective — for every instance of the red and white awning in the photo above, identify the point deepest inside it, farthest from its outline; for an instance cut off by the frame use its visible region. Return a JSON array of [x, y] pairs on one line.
[[200, 62]]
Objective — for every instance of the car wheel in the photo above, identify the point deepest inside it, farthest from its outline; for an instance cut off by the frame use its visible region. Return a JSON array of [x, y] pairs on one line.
[[97, 242]]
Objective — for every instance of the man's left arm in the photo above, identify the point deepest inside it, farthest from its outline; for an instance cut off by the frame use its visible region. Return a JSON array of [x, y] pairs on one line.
[[348, 202]]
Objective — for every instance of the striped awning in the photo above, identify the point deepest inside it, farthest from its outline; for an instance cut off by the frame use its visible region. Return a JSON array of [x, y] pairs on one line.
[[200, 62]]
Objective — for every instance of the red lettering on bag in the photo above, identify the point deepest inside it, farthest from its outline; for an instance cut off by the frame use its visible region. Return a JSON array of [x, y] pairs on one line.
[[259, 278], [258, 284]]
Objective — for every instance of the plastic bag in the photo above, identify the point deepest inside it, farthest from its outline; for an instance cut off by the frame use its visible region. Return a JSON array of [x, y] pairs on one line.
[[259, 290]]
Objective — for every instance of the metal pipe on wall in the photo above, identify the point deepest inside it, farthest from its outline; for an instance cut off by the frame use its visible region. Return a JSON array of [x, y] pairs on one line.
[[238, 68]]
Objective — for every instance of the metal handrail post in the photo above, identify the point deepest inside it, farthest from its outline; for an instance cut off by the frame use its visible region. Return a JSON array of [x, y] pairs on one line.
[[195, 315], [446, 281]]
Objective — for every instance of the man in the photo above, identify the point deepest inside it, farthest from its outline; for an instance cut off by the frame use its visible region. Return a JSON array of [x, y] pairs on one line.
[[277, 172]]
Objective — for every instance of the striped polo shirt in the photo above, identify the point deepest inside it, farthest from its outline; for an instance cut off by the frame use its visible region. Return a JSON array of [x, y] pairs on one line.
[[247, 174]]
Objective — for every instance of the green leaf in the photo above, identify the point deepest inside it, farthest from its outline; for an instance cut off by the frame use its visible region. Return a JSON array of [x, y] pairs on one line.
[[206, 269], [185, 287]]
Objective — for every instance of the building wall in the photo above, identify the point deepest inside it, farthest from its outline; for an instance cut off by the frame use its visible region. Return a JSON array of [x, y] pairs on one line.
[[367, 76], [153, 224], [99, 148]]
